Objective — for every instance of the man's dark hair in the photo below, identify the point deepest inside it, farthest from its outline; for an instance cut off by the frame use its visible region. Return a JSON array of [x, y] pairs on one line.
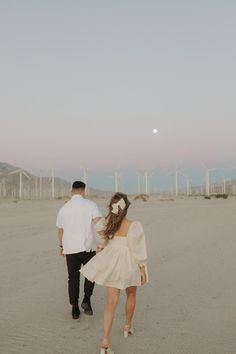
[[78, 185]]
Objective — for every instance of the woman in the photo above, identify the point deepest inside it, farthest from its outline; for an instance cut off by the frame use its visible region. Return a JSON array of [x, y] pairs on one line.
[[120, 263]]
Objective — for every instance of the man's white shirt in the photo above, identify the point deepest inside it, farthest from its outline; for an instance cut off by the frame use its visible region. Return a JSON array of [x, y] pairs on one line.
[[75, 218]]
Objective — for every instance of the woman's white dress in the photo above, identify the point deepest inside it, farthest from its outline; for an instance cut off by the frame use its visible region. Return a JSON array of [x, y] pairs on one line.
[[117, 265]]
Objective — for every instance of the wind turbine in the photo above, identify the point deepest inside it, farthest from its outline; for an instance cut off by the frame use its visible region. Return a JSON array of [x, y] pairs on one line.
[[36, 186], [3, 187], [21, 174], [176, 183], [207, 178], [147, 175], [224, 184], [188, 189], [116, 175], [233, 184], [176, 173], [139, 184], [207, 181], [52, 180], [86, 180], [40, 185]]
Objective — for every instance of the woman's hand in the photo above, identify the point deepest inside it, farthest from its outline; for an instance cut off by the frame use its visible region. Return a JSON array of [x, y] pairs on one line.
[[143, 275]]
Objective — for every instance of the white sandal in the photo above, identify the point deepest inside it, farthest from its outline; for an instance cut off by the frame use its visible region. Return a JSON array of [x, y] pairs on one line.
[[106, 351], [128, 330]]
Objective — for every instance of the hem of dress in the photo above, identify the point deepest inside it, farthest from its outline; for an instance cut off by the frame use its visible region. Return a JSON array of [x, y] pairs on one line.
[[107, 284]]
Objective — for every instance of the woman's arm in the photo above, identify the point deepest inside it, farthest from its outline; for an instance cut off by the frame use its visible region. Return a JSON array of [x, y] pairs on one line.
[[137, 242]]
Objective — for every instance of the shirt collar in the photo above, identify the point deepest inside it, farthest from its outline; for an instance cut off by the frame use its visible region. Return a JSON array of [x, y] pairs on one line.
[[75, 196]]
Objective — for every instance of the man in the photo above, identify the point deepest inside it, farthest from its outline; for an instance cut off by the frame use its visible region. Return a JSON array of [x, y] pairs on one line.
[[76, 240]]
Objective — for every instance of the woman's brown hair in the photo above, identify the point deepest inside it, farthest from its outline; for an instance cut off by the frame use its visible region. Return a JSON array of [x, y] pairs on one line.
[[114, 220]]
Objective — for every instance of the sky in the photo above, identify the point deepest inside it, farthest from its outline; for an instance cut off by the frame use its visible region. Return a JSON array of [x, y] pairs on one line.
[[84, 83]]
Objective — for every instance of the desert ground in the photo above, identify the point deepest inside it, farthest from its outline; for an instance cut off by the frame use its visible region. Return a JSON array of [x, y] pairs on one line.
[[188, 306]]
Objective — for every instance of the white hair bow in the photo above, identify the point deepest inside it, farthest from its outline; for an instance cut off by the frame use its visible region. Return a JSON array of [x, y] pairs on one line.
[[115, 206]]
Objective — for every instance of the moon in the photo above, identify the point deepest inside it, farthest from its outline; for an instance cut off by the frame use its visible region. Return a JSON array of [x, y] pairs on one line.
[[154, 131]]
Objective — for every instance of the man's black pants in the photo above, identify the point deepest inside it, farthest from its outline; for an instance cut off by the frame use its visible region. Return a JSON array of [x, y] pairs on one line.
[[74, 262]]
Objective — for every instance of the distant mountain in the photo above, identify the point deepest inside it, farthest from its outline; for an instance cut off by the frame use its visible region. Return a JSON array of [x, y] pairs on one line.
[[23, 184], [6, 168]]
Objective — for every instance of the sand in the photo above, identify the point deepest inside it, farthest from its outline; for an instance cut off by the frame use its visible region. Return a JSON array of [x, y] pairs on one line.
[[187, 308]]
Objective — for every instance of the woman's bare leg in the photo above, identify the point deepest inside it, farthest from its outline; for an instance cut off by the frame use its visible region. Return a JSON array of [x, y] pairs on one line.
[[130, 304], [111, 302]]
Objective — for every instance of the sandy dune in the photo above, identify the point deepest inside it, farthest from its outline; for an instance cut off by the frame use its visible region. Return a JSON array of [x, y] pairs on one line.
[[187, 308]]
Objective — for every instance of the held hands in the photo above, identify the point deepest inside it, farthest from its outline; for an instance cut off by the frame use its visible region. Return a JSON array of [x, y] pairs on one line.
[[99, 249], [61, 251]]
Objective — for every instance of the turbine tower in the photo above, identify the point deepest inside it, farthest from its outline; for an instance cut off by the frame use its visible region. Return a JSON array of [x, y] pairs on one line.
[[36, 186], [52, 180], [188, 189], [147, 175], [139, 184], [117, 177], [176, 173], [85, 179], [223, 183], [40, 185], [176, 183], [3, 187], [207, 179], [233, 184]]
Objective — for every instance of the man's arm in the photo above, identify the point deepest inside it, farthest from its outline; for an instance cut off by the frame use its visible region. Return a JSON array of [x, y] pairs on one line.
[[60, 232], [95, 221]]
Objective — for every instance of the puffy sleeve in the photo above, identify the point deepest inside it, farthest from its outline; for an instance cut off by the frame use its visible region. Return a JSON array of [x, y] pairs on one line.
[[99, 227], [137, 243]]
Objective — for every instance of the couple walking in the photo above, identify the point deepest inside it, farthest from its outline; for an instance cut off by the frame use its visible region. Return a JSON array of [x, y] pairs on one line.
[[119, 262]]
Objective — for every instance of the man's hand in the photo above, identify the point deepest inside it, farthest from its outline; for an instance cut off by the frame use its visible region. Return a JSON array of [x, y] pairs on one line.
[[61, 252], [60, 232], [99, 249]]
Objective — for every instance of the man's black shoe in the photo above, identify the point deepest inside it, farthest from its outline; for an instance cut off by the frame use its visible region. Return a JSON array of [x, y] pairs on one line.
[[86, 306], [75, 312]]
